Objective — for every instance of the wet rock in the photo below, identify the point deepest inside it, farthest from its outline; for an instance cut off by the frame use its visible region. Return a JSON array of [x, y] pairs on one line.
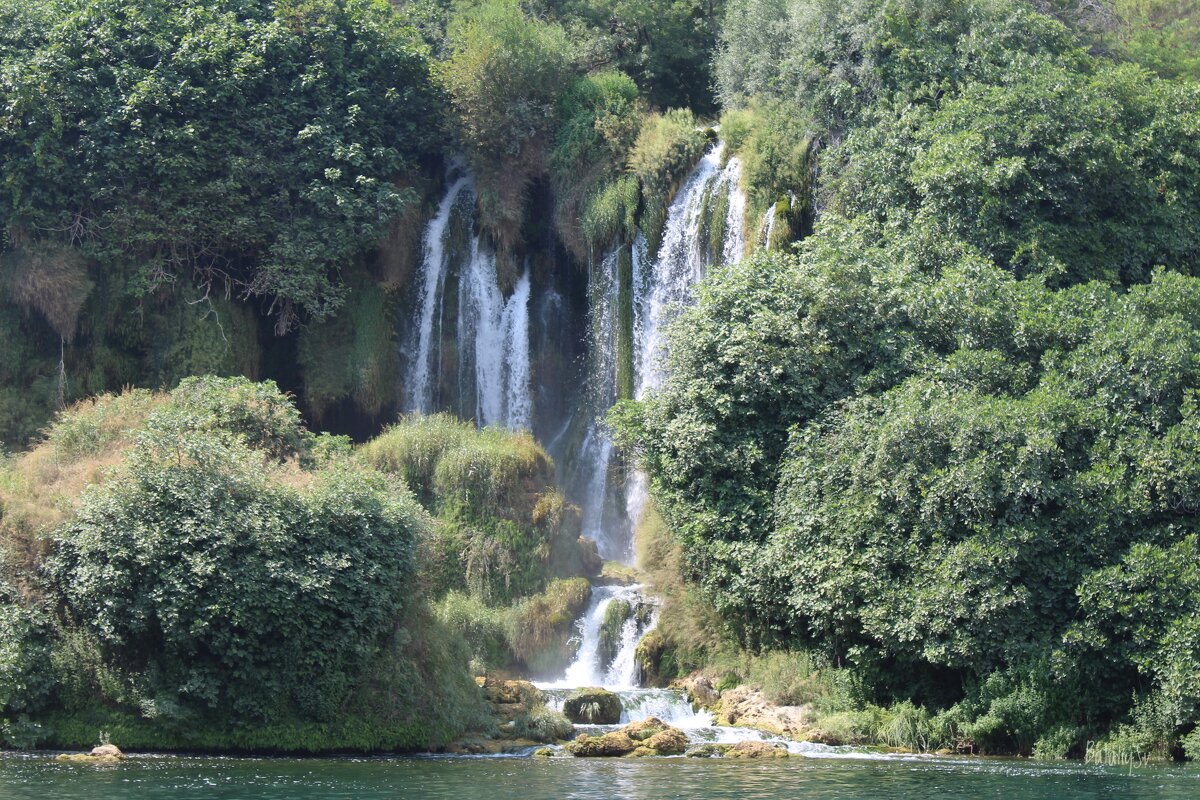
[[593, 706], [547, 725], [511, 698], [656, 738], [109, 750], [669, 742], [700, 690], [757, 750], [709, 751], [611, 630], [481, 746], [543, 752], [648, 737]]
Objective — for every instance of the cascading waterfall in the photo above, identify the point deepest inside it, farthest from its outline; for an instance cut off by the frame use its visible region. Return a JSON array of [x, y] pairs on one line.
[[657, 286], [669, 283], [490, 359], [471, 352]]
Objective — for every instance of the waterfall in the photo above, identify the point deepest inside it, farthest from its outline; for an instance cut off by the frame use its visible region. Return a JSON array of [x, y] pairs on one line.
[[670, 280], [434, 265], [683, 258], [487, 374], [768, 227]]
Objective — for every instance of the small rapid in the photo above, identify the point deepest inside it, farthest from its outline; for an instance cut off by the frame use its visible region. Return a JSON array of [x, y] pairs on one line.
[[607, 658]]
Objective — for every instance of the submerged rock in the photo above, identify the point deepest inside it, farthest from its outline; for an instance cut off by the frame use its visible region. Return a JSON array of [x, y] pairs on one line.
[[757, 750], [104, 754], [648, 737], [708, 751], [593, 706]]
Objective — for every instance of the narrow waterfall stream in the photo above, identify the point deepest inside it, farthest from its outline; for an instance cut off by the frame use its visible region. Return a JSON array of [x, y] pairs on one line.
[[481, 369], [659, 287], [617, 672]]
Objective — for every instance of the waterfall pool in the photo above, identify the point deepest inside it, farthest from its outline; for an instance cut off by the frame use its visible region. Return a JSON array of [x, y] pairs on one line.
[[37, 777]]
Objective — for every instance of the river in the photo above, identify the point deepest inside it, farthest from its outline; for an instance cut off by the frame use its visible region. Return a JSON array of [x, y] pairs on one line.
[[38, 777]]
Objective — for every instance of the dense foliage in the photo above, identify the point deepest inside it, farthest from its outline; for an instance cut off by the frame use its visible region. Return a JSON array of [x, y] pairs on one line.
[[252, 144], [219, 570], [502, 528], [949, 443]]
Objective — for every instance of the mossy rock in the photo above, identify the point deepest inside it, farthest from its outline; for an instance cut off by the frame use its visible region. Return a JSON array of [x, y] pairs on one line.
[[609, 745], [656, 738], [648, 737], [709, 751], [593, 706], [547, 725], [668, 742], [512, 695]]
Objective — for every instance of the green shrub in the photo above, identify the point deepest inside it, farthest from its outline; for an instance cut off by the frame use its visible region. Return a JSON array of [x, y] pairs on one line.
[[27, 678], [228, 587], [494, 495], [504, 75], [1056, 743]]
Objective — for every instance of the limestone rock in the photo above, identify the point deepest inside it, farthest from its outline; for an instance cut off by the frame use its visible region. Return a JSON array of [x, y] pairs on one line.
[[104, 754], [699, 690], [108, 750], [648, 737], [616, 743], [748, 708], [709, 751]]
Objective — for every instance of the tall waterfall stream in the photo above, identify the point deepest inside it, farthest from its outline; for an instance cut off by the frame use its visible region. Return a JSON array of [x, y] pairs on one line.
[[476, 361]]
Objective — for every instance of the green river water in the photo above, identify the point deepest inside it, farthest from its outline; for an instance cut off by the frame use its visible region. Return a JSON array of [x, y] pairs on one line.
[[37, 777]]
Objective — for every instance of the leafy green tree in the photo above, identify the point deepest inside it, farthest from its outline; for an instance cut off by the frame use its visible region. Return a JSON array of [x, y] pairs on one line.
[[842, 63], [1066, 175], [665, 46]]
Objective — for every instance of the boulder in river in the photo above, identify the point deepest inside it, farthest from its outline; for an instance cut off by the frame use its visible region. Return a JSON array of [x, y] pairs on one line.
[[648, 737], [750, 749], [616, 743], [593, 706]]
